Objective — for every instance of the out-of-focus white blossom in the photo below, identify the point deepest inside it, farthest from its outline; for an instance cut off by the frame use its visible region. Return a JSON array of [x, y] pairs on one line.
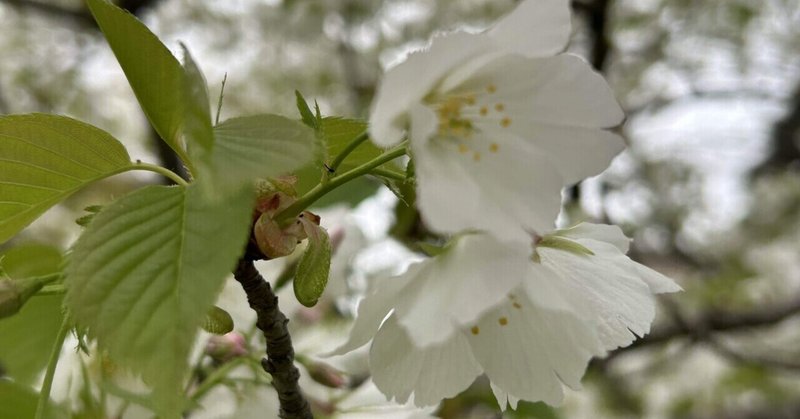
[[529, 319]]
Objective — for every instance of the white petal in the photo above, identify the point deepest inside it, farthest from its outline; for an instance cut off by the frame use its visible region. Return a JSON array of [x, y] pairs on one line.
[[562, 90], [619, 302], [608, 233], [505, 192], [595, 239], [372, 309], [536, 28], [527, 351], [658, 283], [453, 289], [409, 82], [503, 399], [399, 368]]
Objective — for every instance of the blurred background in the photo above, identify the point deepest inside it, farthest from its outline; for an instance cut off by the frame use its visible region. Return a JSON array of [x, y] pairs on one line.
[[709, 186]]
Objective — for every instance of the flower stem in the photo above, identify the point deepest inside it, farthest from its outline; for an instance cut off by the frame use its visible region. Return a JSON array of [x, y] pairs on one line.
[[323, 188], [47, 385], [349, 149], [163, 171], [55, 289], [215, 378], [389, 174]]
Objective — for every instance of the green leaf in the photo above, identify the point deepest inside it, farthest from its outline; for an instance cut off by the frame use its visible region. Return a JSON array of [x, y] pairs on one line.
[[197, 118], [24, 354], [261, 146], [152, 71], [305, 112], [314, 267], [217, 321], [146, 271], [44, 159], [17, 401]]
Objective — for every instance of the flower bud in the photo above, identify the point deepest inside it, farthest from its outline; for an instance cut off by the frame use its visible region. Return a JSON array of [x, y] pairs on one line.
[[326, 374], [225, 347]]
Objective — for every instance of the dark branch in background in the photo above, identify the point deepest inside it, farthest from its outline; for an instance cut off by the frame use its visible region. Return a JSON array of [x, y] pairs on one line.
[[81, 17], [84, 20], [4, 108], [715, 321], [785, 139], [596, 14], [280, 353]]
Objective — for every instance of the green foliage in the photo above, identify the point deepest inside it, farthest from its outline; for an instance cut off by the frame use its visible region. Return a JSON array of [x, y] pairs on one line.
[[152, 71], [314, 267], [146, 271], [261, 146], [17, 401], [24, 354], [45, 159]]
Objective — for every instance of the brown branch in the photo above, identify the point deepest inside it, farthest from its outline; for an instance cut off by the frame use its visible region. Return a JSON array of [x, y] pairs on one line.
[[81, 17], [280, 353], [720, 321]]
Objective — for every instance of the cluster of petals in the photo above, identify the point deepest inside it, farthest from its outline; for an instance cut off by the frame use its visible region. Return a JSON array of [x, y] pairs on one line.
[[498, 124]]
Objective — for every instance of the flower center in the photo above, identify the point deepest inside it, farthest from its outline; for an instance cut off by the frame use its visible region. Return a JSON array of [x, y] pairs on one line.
[[457, 116]]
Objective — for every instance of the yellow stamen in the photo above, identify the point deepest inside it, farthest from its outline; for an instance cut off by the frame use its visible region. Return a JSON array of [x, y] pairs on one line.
[[503, 321], [484, 110], [505, 122], [491, 88], [462, 148], [475, 330], [500, 107], [476, 156], [493, 147]]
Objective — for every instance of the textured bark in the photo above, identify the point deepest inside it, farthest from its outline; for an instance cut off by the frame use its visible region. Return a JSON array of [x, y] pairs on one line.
[[280, 353]]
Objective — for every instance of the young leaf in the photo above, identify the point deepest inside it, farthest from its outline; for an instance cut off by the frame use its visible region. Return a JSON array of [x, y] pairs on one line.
[[314, 267], [217, 321], [261, 146], [24, 354], [197, 117], [152, 71], [44, 159], [146, 271], [305, 112]]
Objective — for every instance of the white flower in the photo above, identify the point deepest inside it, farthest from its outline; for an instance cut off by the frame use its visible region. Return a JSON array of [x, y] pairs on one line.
[[485, 306], [498, 125]]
